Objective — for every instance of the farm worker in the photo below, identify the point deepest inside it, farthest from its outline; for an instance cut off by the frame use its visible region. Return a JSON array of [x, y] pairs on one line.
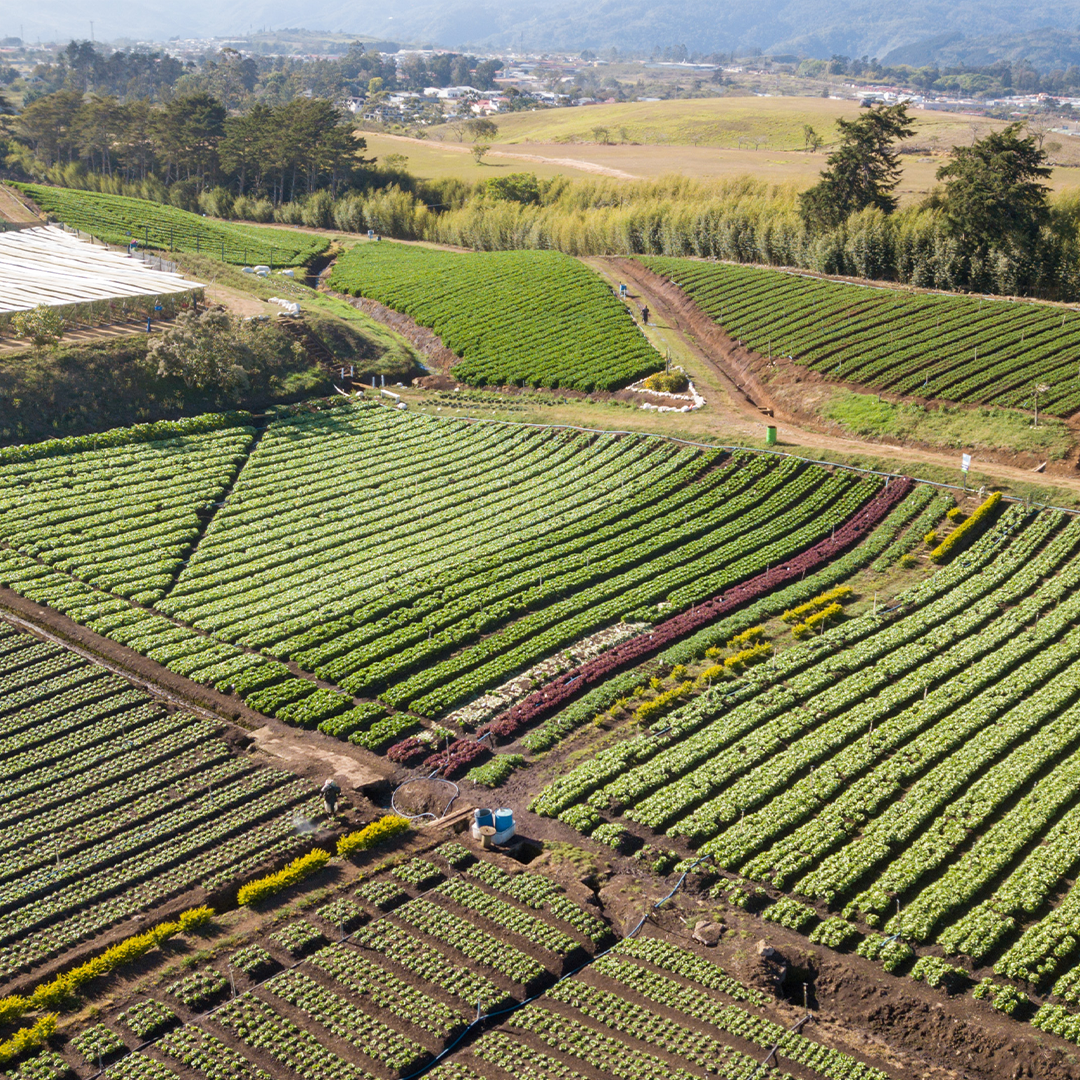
[[330, 792], [622, 290], [645, 315]]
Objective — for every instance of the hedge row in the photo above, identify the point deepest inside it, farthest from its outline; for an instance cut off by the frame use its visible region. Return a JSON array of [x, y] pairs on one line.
[[297, 870], [967, 531], [378, 832]]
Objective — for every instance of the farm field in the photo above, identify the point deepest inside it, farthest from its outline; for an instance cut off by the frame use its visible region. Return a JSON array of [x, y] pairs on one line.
[[111, 804], [534, 538], [433, 952], [905, 777], [535, 317], [844, 706], [119, 219], [965, 349]]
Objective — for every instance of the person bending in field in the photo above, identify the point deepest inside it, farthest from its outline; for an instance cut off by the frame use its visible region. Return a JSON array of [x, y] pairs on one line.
[[330, 793]]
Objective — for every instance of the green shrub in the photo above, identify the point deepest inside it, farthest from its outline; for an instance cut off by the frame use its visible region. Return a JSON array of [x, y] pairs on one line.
[[962, 535], [29, 1038], [668, 382], [823, 600], [494, 772]]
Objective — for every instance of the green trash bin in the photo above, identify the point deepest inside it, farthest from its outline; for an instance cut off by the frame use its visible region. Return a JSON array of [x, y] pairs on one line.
[[770, 435]]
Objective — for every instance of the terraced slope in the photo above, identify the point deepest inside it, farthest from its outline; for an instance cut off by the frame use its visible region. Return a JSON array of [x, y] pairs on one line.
[[522, 317], [962, 348]]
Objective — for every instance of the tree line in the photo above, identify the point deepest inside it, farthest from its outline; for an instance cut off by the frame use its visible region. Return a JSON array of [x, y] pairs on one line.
[[1002, 78], [239, 81], [990, 225], [279, 152]]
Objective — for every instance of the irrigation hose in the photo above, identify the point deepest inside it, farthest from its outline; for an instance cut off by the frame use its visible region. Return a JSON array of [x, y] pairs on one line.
[[426, 814]]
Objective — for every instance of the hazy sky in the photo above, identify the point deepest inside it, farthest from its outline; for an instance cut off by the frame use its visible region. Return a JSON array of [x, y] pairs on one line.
[[806, 27]]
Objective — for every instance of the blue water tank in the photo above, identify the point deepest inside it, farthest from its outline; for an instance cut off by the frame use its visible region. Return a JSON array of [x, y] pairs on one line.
[[483, 817], [504, 818]]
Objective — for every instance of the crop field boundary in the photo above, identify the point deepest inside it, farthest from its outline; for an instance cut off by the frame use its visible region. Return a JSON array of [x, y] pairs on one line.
[[736, 448], [204, 526], [294, 668], [101, 660]]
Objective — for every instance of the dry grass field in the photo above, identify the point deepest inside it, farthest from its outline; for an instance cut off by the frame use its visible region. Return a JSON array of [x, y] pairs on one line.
[[714, 137]]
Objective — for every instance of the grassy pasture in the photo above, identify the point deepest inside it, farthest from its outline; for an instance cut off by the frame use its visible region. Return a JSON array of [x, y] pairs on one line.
[[701, 137]]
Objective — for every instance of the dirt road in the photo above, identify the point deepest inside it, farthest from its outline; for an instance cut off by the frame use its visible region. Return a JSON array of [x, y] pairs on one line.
[[738, 397]]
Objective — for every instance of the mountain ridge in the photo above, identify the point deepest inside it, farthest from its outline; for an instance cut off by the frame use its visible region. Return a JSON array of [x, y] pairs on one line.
[[930, 31]]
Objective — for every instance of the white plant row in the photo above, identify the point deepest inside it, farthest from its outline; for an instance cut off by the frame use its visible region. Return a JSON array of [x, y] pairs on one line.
[[49, 266]]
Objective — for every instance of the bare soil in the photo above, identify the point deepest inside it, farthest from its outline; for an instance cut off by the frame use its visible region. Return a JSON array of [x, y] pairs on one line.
[[428, 343]]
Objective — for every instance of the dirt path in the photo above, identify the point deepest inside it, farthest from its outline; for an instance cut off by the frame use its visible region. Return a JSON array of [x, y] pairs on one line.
[[307, 753], [13, 209], [676, 317], [576, 164]]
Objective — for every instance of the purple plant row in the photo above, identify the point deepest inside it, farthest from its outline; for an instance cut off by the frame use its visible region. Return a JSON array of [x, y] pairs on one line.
[[561, 689], [449, 762]]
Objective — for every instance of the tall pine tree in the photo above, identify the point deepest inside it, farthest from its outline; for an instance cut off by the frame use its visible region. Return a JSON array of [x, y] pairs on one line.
[[994, 198], [862, 171]]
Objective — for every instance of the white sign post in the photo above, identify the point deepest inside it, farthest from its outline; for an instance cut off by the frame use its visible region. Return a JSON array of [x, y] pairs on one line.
[[965, 464]]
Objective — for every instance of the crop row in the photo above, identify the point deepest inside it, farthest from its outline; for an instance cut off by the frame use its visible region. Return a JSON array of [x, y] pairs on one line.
[[536, 317], [428, 964], [962, 348], [120, 219], [123, 518], [258, 1026], [208, 1056], [140, 803], [470, 940], [507, 916], [541, 893], [889, 540], [704, 1008], [347, 1021], [897, 708], [363, 977], [641, 769]]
